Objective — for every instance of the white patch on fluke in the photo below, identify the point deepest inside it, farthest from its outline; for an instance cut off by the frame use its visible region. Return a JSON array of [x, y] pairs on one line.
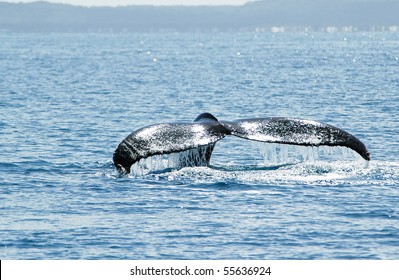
[[149, 132], [201, 135]]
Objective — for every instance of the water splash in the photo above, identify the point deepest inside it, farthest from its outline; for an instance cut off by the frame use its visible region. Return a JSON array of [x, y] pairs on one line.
[[337, 173], [271, 155], [277, 154], [160, 163]]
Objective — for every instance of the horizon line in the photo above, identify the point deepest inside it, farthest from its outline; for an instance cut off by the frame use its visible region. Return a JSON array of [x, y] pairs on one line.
[[127, 5]]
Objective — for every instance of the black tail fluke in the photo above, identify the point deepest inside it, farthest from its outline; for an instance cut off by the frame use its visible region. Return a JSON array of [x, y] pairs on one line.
[[206, 130], [295, 132], [168, 138]]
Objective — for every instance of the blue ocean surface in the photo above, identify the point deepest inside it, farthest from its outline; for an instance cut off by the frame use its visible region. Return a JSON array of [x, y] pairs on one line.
[[67, 100]]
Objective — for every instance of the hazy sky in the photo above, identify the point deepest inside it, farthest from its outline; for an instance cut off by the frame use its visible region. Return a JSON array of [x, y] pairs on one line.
[[141, 2]]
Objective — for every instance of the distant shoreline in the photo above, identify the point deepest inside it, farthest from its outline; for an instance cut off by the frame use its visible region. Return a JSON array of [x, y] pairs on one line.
[[260, 16]]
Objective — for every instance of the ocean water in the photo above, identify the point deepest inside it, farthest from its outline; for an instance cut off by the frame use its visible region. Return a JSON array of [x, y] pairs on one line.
[[67, 100]]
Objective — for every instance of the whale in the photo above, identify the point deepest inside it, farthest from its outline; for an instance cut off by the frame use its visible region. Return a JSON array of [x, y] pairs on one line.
[[206, 130]]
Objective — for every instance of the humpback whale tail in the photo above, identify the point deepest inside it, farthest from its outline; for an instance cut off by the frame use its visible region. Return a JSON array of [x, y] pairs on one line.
[[206, 130]]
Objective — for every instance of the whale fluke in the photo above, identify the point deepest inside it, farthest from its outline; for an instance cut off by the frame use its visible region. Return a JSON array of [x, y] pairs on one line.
[[206, 130], [169, 138], [295, 132]]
